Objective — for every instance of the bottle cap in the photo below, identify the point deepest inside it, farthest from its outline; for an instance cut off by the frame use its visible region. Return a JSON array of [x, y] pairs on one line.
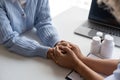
[[109, 37], [96, 38], [100, 34]]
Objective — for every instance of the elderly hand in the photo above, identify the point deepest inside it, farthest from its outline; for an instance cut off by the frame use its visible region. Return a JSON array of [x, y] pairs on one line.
[[67, 59], [50, 53], [63, 43]]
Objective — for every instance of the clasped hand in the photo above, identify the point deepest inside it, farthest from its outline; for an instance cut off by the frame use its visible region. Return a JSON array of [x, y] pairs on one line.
[[66, 54]]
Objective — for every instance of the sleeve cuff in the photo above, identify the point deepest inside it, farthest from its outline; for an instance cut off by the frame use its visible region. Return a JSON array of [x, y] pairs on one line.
[[42, 52], [54, 41]]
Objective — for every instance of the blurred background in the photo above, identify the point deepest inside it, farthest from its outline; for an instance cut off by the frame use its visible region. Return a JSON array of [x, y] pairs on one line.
[[58, 6]]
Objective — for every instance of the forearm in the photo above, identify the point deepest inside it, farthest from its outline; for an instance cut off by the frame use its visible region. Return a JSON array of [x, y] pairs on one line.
[[104, 66], [48, 35], [26, 47], [86, 72], [45, 30]]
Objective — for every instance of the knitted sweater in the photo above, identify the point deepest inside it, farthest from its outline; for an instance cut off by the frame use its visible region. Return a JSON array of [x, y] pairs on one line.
[[15, 20]]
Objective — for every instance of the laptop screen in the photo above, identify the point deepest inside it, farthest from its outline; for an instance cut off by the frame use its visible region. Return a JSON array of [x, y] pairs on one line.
[[100, 15]]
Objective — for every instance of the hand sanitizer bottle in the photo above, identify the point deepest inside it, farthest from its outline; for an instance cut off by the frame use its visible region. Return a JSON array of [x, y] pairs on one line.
[[107, 47], [95, 45]]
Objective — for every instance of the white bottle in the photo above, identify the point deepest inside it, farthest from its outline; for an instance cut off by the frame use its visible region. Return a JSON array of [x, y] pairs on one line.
[[95, 45], [107, 47], [100, 34]]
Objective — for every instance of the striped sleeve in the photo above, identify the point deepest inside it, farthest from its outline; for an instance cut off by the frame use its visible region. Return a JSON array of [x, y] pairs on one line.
[[45, 30], [12, 40]]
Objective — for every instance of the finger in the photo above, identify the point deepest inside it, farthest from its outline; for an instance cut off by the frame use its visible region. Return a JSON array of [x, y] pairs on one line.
[[57, 52], [66, 44], [54, 58], [61, 50], [67, 50], [60, 42], [73, 46], [57, 55]]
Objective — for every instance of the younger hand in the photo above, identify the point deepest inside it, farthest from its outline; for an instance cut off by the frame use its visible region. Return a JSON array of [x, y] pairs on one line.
[[77, 51], [73, 47]]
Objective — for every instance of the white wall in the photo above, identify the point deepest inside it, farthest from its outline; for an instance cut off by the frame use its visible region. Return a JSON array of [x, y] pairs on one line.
[[58, 6]]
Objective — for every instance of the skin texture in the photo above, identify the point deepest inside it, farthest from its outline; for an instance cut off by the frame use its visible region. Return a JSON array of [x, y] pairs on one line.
[[68, 55]]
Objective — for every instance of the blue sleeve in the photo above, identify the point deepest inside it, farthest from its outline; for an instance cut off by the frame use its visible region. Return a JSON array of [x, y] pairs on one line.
[[115, 75], [12, 40], [46, 32]]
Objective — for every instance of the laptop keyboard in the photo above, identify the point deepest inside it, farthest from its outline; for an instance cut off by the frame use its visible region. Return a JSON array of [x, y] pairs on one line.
[[105, 29], [89, 30]]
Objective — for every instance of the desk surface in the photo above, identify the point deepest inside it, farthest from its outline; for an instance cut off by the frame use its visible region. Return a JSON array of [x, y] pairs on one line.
[[15, 67]]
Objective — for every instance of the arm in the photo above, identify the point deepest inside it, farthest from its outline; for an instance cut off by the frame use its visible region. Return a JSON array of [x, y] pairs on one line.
[[70, 60], [105, 66], [45, 31], [12, 40], [87, 72]]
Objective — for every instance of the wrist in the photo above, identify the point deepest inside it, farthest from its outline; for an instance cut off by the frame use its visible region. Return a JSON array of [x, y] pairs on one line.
[[86, 72], [77, 63], [82, 58], [78, 66]]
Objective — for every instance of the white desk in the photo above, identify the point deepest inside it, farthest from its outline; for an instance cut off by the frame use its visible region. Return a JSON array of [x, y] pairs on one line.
[[16, 67]]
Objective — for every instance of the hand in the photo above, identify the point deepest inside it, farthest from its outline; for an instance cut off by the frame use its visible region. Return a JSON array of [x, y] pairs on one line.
[[73, 47], [67, 60], [50, 53], [51, 50], [77, 51], [63, 43]]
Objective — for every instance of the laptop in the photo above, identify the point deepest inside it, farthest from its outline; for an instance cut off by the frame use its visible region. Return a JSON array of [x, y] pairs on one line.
[[101, 20]]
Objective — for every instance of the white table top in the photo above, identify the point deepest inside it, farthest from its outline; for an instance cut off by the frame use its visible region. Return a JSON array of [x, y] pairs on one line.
[[16, 67]]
